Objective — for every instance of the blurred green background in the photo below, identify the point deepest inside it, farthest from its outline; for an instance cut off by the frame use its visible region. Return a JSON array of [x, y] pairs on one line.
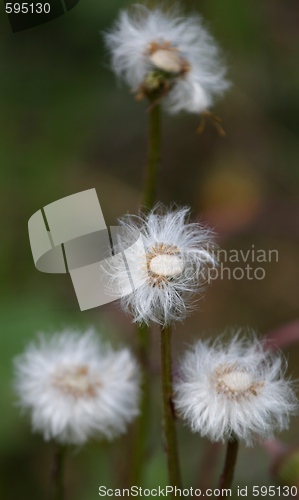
[[66, 125]]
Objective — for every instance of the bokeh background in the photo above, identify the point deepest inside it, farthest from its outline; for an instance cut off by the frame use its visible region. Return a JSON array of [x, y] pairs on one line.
[[66, 125]]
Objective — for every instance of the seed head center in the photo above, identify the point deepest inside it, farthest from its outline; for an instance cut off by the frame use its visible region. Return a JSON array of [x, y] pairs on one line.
[[165, 57], [166, 265], [237, 381], [167, 60], [76, 381], [234, 382]]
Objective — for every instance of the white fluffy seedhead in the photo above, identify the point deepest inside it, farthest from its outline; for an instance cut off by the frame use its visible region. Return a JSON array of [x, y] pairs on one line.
[[76, 388], [166, 266], [154, 50], [237, 388]]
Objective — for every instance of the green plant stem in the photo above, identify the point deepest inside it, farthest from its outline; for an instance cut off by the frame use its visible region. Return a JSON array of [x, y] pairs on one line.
[[141, 433], [154, 152], [170, 436], [141, 429], [227, 475], [57, 488]]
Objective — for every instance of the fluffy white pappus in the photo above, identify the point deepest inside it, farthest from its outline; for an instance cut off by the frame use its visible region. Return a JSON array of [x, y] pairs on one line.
[[166, 264], [77, 388], [235, 388], [144, 40]]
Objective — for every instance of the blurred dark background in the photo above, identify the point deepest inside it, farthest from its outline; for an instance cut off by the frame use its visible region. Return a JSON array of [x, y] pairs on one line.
[[66, 125]]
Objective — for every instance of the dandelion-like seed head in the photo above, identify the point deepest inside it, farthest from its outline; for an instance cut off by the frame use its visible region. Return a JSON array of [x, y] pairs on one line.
[[167, 267], [234, 388], [164, 55], [75, 388]]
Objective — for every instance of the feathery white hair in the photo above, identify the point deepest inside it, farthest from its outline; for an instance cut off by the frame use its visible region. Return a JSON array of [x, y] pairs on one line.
[[77, 388], [142, 40], [236, 388], [166, 264]]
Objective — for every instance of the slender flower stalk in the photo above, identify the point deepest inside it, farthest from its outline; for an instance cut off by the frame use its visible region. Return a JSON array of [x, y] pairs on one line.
[[170, 436], [143, 330], [142, 425], [57, 473], [227, 475], [154, 153]]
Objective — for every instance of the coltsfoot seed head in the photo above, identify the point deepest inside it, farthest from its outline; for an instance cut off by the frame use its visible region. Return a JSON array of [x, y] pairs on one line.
[[234, 387], [77, 388], [166, 56], [168, 264]]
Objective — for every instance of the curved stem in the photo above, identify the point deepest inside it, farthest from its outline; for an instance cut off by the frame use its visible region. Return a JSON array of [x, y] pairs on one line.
[[57, 488], [141, 432], [227, 475], [154, 152], [170, 436]]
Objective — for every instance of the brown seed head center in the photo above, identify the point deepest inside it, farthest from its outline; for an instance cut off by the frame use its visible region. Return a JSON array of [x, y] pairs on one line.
[[163, 263], [76, 381], [167, 58], [235, 382]]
